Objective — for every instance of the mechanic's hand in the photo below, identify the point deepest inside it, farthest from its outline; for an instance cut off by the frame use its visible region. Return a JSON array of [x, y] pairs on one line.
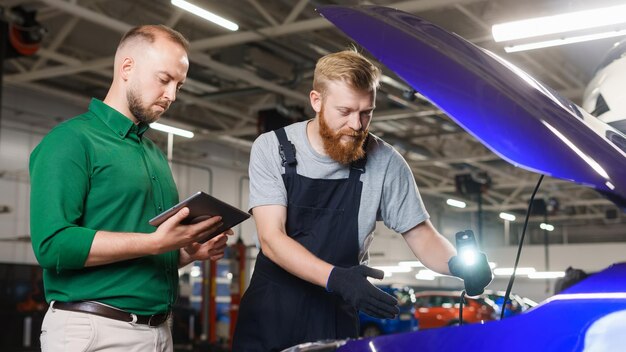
[[476, 276], [172, 235], [212, 249], [352, 285]]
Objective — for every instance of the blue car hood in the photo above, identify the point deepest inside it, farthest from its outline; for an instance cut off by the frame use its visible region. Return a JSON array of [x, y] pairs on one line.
[[521, 120]]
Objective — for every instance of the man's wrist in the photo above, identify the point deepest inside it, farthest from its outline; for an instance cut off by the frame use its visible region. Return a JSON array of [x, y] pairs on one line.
[[184, 258], [328, 279]]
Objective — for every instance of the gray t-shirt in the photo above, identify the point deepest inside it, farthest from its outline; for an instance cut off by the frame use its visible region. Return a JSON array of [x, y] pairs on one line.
[[389, 190]]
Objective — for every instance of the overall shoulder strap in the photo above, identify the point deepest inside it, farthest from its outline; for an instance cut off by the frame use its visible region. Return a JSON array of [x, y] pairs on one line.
[[287, 150]]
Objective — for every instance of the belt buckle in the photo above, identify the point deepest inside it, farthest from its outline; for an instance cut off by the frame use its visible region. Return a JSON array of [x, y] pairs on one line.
[[154, 316]]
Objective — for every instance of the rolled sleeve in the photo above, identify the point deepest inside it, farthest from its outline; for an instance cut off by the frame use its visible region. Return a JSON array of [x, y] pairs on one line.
[[59, 184]]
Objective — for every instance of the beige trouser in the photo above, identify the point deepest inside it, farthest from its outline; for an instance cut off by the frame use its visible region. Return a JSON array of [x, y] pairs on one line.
[[80, 332]]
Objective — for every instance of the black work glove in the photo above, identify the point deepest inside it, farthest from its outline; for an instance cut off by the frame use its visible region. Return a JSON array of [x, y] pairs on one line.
[[352, 285], [476, 276]]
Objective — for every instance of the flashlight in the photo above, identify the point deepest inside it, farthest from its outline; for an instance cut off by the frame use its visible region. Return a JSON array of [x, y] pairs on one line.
[[466, 247], [470, 264]]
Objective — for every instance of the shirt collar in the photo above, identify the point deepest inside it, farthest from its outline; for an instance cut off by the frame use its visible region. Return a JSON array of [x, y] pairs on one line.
[[116, 121]]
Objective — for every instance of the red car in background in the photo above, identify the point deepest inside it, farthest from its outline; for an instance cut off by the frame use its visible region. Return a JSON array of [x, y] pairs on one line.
[[441, 308]]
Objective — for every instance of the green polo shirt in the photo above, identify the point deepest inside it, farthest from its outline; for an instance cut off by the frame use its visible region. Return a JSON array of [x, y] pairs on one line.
[[97, 172]]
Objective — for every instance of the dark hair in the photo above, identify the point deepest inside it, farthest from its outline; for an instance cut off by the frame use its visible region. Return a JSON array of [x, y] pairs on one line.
[[149, 33]]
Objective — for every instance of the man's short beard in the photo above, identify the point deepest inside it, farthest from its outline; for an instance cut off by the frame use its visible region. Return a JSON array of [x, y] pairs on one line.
[[344, 153], [142, 115]]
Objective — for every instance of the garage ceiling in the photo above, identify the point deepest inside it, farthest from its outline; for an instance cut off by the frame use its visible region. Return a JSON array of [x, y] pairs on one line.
[[268, 63]]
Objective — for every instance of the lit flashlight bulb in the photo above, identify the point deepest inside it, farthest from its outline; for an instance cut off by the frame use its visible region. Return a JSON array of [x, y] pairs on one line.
[[468, 256]]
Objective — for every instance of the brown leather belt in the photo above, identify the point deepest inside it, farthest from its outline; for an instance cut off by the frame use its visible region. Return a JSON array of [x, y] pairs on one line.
[[111, 313]]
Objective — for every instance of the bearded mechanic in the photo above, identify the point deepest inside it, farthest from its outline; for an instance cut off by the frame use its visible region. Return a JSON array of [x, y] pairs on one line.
[[317, 189]]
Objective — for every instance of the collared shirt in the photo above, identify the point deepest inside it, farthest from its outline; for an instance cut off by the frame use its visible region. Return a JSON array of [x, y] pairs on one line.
[[97, 172]]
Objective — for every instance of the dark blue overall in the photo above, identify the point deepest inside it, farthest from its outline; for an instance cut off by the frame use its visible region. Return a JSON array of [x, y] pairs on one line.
[[280, 310]]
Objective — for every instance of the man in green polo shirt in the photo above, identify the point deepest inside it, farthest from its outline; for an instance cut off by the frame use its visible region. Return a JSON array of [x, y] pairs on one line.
[[111, 278]]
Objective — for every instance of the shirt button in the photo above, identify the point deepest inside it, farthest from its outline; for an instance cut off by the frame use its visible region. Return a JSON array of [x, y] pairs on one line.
[[154, 177], [121, 133]]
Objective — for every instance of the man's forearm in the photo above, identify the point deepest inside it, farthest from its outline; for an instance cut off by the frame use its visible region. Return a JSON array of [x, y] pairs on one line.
[[293, 257], [111, 247], [430, 247]]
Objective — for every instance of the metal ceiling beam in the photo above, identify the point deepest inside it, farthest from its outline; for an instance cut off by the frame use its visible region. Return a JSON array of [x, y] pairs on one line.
[[245, 75], [57, 71], [260, 9], [311, 25], [82, 12], [295, 11], [59, 38]]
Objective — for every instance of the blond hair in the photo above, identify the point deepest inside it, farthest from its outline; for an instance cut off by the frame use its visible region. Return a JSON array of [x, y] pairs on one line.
[[348, 66]]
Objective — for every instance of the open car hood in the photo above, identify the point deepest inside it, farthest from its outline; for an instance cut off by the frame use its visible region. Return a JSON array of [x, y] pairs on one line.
[[518, 118]]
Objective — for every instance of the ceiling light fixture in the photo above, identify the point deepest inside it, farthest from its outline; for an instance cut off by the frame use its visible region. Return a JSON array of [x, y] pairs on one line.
[[456, 203], [546, 227], [507, 216], [207, 15], [563, 41], [394, 269], [546, 275], [567, 22], [426, 274], [562, 29], [509, 271], [173, 130], [411, 263]]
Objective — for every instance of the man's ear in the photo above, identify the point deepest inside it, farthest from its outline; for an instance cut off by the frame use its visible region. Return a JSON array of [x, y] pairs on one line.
[[316, 100], [126, 67]]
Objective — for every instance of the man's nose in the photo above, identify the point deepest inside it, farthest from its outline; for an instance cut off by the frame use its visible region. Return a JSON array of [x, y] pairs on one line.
[[354, 121], [170, 93]]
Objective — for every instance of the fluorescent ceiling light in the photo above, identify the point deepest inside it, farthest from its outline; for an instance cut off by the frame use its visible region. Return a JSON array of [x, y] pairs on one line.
[[507, 216], [394, 269], [456, 203], [424, 276], [546, 274], [169, 129], [562, 23], [563, 41], [207, 15], [509, 271], [546, 227], [411, 263]]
